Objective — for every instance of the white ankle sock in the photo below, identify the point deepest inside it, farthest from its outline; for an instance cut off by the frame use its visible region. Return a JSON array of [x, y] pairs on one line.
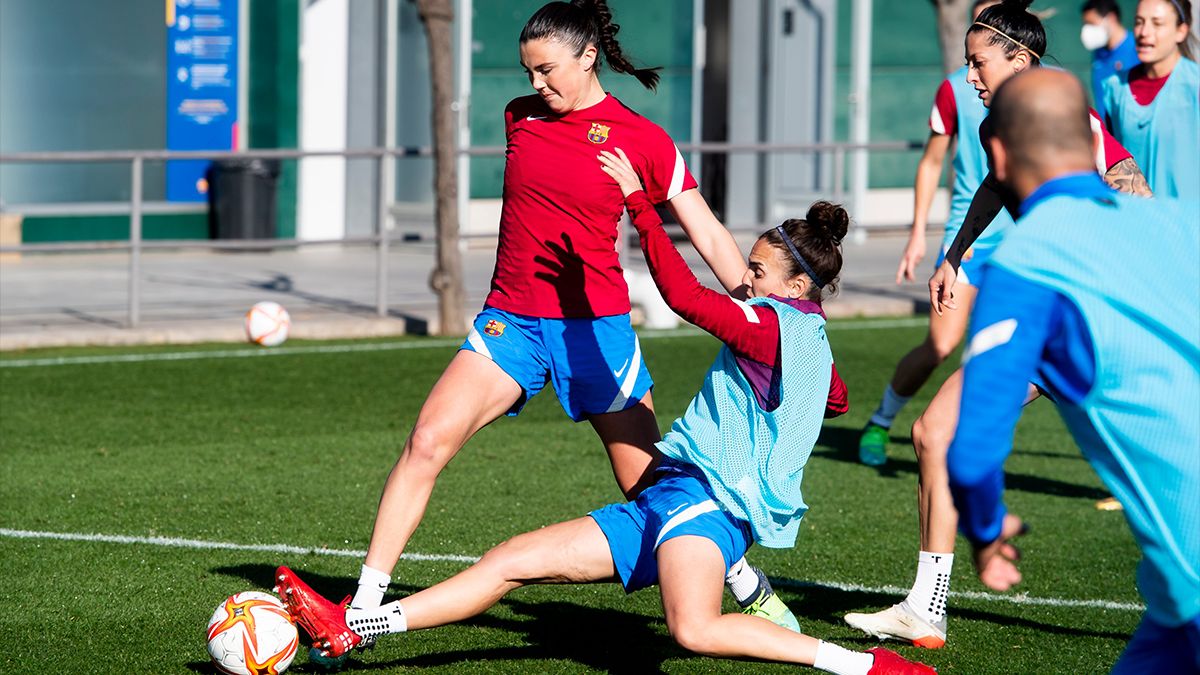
[[744, 582], [383, 620], [840, 661], [372, 584], [889, 407], [928, 595]]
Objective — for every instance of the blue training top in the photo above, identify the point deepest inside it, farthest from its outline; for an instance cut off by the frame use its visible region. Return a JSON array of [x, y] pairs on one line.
[[1108, 62], [1098, 295]]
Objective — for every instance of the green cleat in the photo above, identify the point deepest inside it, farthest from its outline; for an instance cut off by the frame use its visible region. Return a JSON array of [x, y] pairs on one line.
[[770, 607], [872, 446]]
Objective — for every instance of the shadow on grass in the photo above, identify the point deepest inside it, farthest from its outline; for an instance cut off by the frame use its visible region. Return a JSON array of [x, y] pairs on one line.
[[601, 638], [841, 444], [830, 605], [564, 631]]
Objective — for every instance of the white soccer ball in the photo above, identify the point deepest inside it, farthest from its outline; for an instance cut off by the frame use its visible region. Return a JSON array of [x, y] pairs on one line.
[[267, 324], [251, 633]]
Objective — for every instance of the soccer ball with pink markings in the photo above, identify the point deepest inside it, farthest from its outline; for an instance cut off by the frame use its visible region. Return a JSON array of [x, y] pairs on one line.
[[251, 633], [267, 324]]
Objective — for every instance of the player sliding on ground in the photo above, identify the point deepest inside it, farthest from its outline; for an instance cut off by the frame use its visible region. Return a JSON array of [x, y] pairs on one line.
[[731, 473], [1005, 39]]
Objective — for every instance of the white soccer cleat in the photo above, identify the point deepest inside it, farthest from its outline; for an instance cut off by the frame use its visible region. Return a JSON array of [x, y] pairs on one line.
[[898, 622]]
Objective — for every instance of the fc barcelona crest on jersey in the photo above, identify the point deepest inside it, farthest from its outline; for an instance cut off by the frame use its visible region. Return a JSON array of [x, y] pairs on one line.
[[494, 328], [598, 134]]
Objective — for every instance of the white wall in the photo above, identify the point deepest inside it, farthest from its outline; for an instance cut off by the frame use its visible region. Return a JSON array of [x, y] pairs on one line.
[[324, 44]]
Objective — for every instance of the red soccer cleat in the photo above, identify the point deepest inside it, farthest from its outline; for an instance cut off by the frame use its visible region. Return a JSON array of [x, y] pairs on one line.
[[888, 662], [324, 621]]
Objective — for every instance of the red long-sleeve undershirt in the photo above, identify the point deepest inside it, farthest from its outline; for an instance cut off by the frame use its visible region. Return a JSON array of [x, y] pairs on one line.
[[750, 331]]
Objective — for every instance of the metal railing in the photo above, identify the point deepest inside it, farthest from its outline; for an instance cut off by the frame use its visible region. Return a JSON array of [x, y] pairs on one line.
[[380, 239]]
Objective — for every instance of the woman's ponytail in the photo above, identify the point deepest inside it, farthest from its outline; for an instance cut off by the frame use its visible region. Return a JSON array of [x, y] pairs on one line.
[[580, 23]]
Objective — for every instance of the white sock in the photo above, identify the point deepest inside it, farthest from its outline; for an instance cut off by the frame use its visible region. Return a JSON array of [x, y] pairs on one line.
[[889, 407], [840, 661], [927, 599], [383, 620], [745, 582], [372, 584]]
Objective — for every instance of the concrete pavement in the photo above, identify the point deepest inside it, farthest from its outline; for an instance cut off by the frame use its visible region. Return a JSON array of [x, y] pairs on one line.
[[49, 300]]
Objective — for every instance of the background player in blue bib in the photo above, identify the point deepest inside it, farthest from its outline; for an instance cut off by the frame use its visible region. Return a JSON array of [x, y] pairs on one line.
[[1154, 108], [1097, 294], [956, 115], [731, 474]]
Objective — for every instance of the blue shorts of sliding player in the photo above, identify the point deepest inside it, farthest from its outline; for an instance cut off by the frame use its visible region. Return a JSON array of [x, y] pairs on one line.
[[677, 505]]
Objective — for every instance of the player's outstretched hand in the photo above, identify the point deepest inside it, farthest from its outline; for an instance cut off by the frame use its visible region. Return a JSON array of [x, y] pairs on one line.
[[941, 288], [914, 252], [996, 563], [621, 169]]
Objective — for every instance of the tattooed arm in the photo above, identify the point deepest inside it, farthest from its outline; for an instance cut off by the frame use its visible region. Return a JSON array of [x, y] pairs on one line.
[[1126, 177]]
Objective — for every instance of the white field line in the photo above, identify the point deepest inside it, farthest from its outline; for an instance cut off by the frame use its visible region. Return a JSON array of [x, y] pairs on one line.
[[375, 347], [175, 542]]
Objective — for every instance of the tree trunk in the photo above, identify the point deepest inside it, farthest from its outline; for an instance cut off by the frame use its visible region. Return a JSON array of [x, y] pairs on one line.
[[447, 277], [952, 31]]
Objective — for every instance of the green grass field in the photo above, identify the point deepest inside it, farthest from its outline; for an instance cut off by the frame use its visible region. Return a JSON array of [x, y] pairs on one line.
[[293, 449]]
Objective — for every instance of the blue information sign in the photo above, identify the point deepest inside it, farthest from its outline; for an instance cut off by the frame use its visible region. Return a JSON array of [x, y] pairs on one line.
[[202, 86]]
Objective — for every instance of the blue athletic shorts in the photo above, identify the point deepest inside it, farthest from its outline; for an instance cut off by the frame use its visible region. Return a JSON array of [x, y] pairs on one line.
[[675, 506], [968, 272], [595, 364], [1154, 648]]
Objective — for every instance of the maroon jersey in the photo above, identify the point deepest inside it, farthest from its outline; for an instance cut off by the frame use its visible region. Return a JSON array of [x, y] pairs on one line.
[[751, 331], [557, 255]]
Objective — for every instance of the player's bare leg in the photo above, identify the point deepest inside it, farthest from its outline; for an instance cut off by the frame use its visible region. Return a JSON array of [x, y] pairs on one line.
[[931, 434], [472, 392], [690, 572], [629, 437], [572, 552], [946, 331], [921, 617]]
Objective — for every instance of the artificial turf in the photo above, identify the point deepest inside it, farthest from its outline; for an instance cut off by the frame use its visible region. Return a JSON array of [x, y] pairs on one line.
[[293, 449]]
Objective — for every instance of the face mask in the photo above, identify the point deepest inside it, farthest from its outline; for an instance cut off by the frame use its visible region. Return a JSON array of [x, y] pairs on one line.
[[1093, 36]]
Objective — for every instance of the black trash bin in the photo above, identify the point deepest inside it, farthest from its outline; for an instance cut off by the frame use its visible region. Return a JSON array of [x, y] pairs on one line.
[[241, 198]]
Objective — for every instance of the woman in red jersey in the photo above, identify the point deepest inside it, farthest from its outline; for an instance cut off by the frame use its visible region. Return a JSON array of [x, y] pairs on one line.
[[558, 310]]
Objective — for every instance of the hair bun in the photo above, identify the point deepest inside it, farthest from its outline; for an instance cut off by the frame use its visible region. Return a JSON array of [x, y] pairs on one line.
[[832, 219], [1022, 5]]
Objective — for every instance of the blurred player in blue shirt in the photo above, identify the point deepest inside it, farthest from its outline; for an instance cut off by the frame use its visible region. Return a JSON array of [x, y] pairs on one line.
[[1096, 296], [1113, 48]]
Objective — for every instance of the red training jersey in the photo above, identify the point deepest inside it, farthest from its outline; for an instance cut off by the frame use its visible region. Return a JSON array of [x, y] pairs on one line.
[[1143, 87], [943, 118], [557, 255]]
